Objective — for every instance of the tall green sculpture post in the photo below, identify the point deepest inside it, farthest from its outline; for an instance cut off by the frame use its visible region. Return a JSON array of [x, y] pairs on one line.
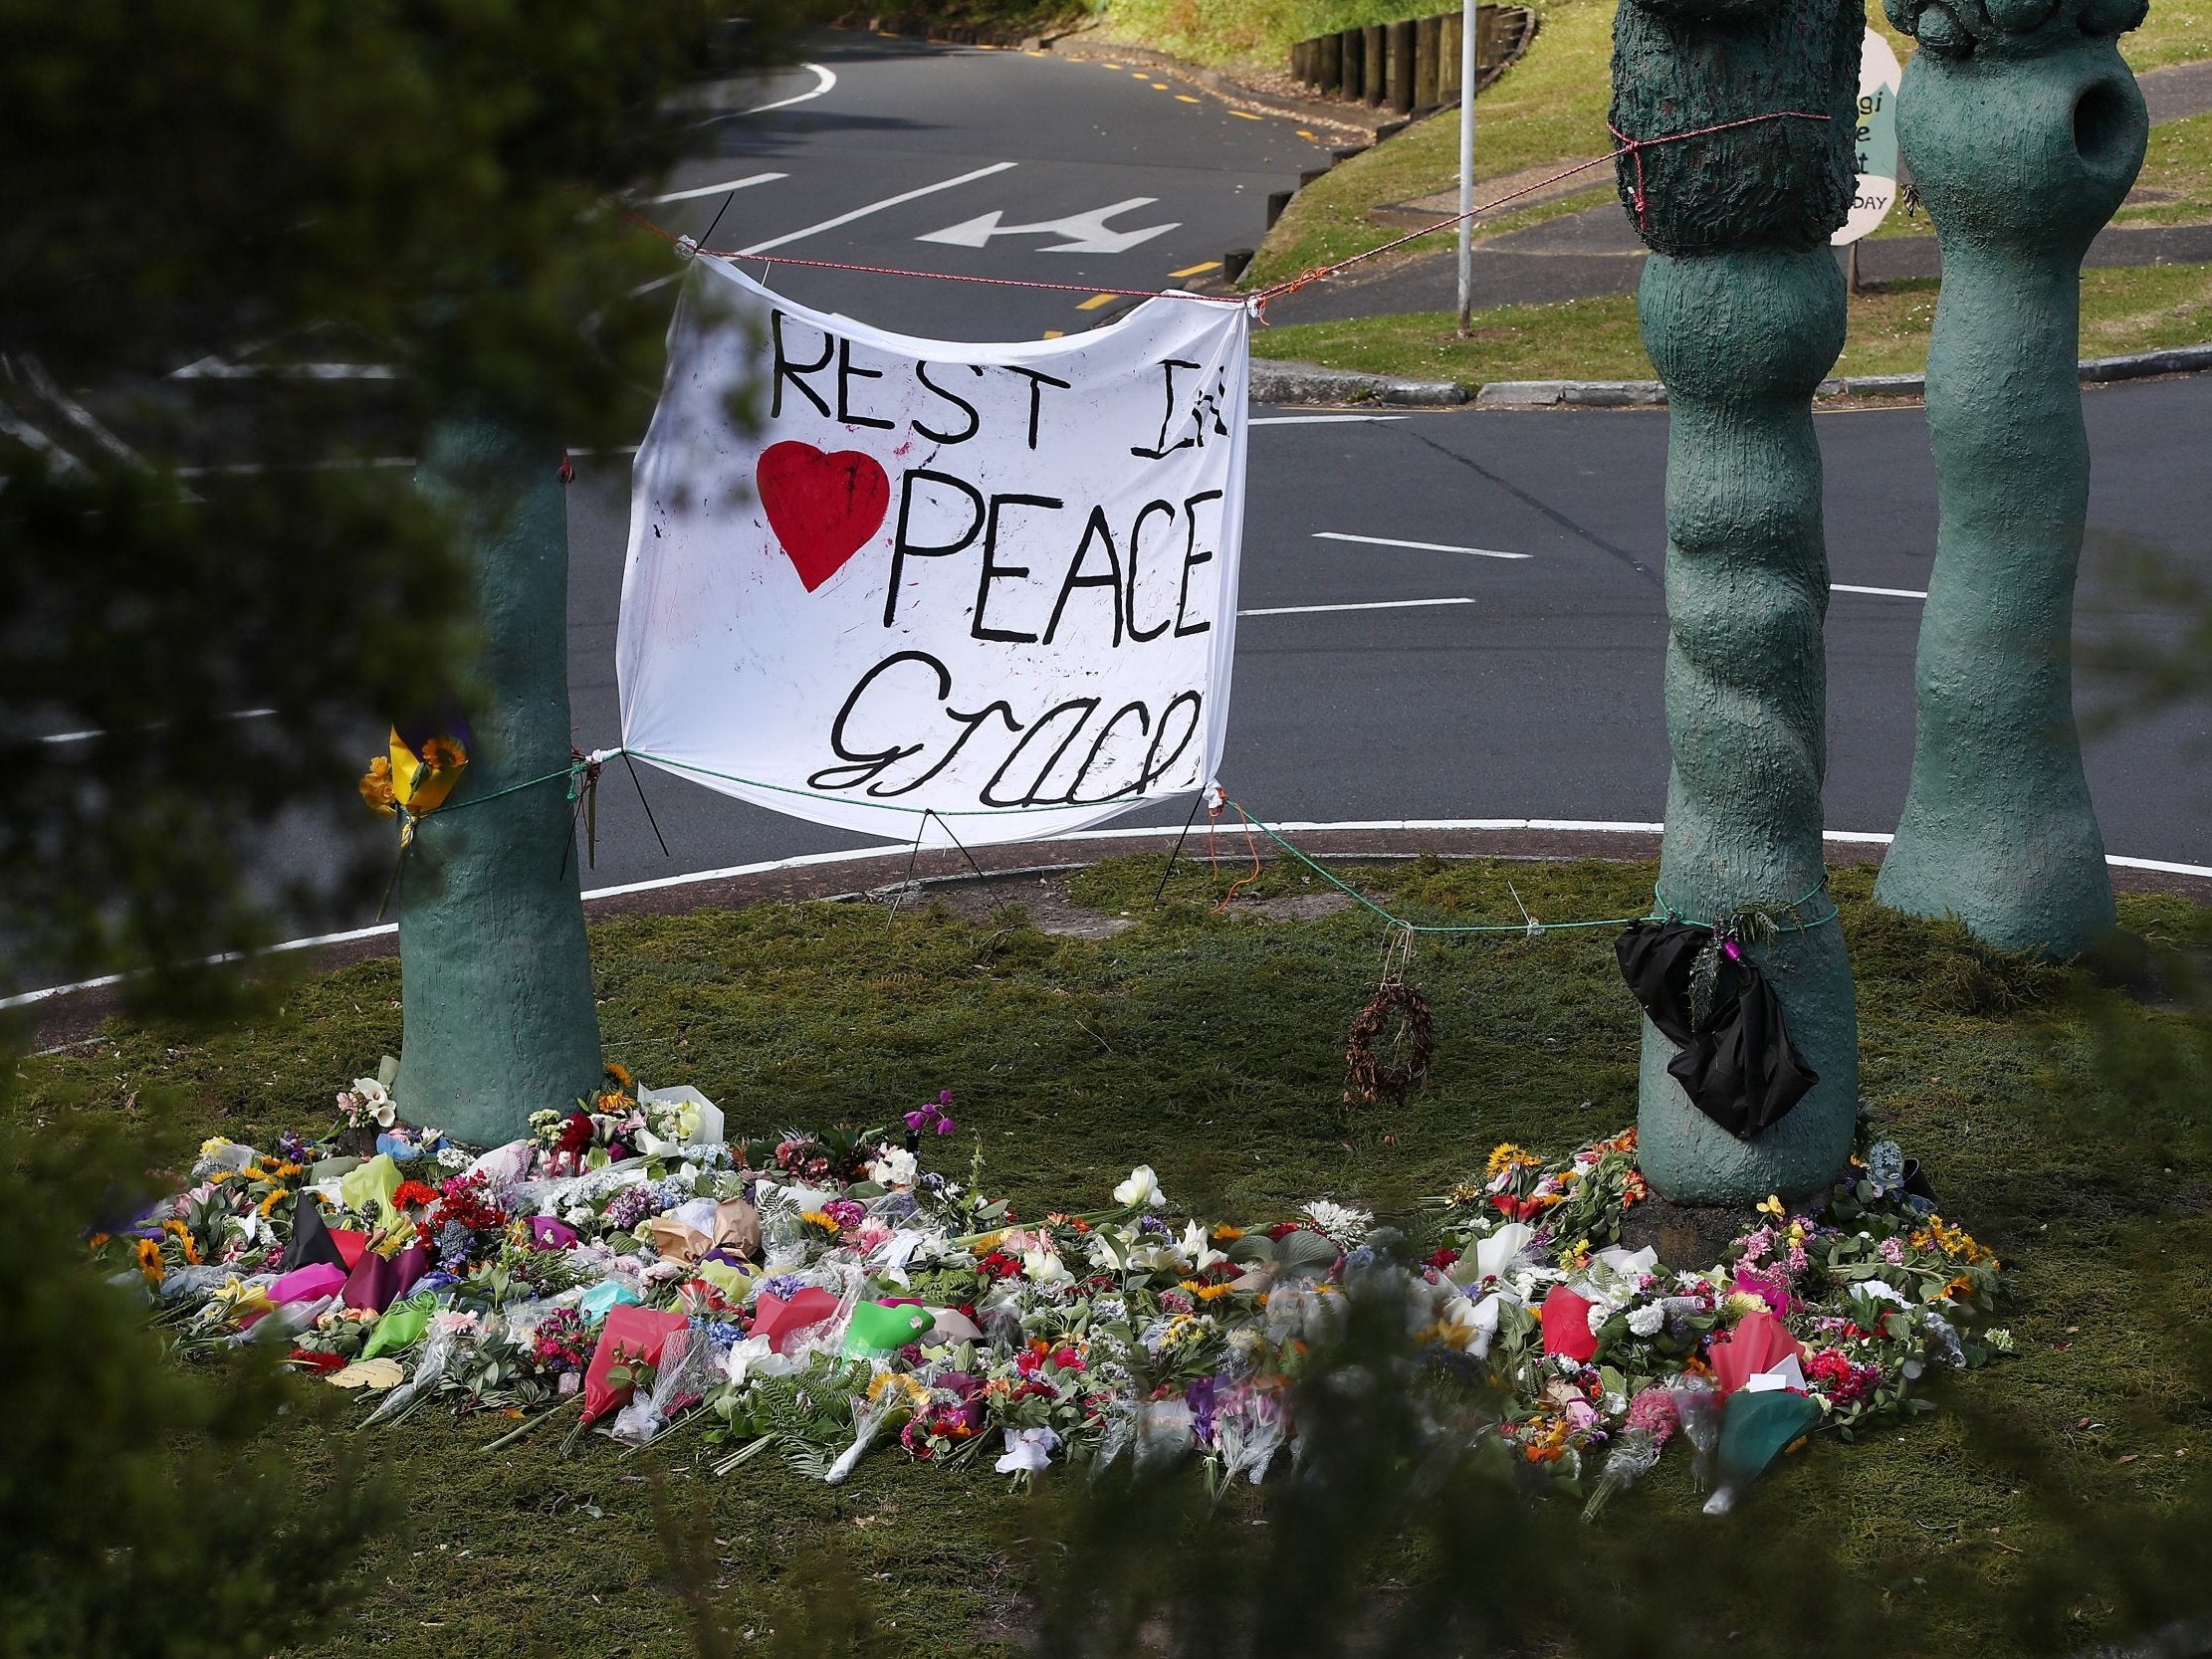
[[2024, 131], [1742, 309], [495, 971]]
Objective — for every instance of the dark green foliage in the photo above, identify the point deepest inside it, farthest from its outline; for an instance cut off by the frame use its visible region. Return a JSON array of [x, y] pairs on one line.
[[418, 184], [149, 1509]]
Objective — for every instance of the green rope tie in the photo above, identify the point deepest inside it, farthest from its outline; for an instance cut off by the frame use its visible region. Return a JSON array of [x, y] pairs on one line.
[[575, 772]]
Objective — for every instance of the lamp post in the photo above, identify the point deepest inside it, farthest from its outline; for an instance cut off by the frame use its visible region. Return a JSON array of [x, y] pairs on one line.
[[1467, 70]]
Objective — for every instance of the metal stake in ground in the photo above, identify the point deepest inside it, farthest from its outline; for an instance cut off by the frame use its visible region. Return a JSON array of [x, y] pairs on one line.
[[2024, 131], [1742, 309]]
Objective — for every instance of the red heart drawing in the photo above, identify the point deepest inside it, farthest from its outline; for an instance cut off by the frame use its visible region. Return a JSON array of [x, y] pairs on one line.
[[822, 508]]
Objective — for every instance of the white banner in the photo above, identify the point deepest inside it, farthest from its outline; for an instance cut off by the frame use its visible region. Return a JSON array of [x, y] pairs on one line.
[[1876, 190], [992, 582]]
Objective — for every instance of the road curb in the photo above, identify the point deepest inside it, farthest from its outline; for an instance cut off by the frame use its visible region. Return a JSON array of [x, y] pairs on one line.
[[1617, 394], [1284, 381], [1236, 93], [1288, 382]]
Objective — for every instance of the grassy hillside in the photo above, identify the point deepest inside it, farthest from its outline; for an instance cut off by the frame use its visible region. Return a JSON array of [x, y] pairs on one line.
[[1549, 110]]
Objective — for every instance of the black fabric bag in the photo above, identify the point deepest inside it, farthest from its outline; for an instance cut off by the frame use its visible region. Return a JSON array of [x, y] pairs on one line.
[[310, 1239], [1740, 1070]]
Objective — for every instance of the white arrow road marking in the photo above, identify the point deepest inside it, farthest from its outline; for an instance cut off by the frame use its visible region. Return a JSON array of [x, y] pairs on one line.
[[723, 188], [1316, 420], [878, 207], [1420, 546], [1087, 231]]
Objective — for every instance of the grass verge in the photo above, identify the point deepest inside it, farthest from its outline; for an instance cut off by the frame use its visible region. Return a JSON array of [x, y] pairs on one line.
[[1549, 111], [1213, 1048], [2124, 309]]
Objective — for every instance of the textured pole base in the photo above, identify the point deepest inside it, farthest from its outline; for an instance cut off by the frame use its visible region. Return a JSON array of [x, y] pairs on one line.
[[2020, 160], [1741, 338], [495, 968], [1688, 1157], [1689, 1238]]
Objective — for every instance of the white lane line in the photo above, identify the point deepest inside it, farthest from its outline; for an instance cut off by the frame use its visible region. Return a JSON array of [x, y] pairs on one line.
[[1879, 592], [1317, 420], [824, 80], [1365, 605], [88, 736], [1568, 826], [219, 368], [723, 188], [878, 207], [1419, 547]]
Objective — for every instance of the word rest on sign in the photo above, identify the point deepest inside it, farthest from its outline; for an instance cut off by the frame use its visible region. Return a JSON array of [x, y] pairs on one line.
[[997, 583]]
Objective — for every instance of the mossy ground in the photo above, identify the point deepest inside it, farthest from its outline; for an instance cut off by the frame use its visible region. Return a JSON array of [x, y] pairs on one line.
[[2124, 309], [1212, 1047]]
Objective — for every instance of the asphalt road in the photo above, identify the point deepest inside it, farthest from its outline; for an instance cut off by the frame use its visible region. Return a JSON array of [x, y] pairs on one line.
[[1101, 177], [1535, 691]]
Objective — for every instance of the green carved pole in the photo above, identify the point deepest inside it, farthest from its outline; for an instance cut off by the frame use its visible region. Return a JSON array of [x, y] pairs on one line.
[[2024, 131], [495, 971], [1742, 311]]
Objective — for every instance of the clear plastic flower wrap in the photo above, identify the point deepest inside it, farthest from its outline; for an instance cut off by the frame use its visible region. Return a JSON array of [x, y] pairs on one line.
[[438, 1351], [1633, 1455], [1697, 1406], [688, 1369]]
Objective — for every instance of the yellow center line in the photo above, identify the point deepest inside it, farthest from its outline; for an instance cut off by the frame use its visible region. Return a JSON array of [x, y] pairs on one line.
[[1185, 98], [1159, 85], [1053, 333], [1194, 269], [1096, 301], [1303, 133], [1142, 73], [1244, 114]]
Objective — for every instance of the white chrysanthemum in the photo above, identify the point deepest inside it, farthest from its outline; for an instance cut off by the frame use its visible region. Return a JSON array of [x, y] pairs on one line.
[[1342, 1223], [1649, 1320]]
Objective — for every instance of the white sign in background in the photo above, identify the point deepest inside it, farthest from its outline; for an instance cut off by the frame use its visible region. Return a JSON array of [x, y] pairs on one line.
[[995, 583], [1876, 190]]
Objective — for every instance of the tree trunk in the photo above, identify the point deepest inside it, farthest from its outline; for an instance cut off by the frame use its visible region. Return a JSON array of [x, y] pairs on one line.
[[495, 970]]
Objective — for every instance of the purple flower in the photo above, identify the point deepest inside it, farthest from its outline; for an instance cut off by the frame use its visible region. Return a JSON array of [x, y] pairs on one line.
[[934, 1116], [1204, 1399]]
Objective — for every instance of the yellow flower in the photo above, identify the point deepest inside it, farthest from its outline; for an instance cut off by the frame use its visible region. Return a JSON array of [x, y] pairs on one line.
[[910, 1395], [213, 1144], [1508, 1157], [151, 1263], [815, 1218], [1772, 1207], [184, 1237]]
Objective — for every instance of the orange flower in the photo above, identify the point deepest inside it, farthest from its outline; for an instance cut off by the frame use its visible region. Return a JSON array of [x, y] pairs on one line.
[[443, 754], [375, 787]]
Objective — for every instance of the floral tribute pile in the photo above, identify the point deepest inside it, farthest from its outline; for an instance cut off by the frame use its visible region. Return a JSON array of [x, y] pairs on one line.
[[825, 1294]]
